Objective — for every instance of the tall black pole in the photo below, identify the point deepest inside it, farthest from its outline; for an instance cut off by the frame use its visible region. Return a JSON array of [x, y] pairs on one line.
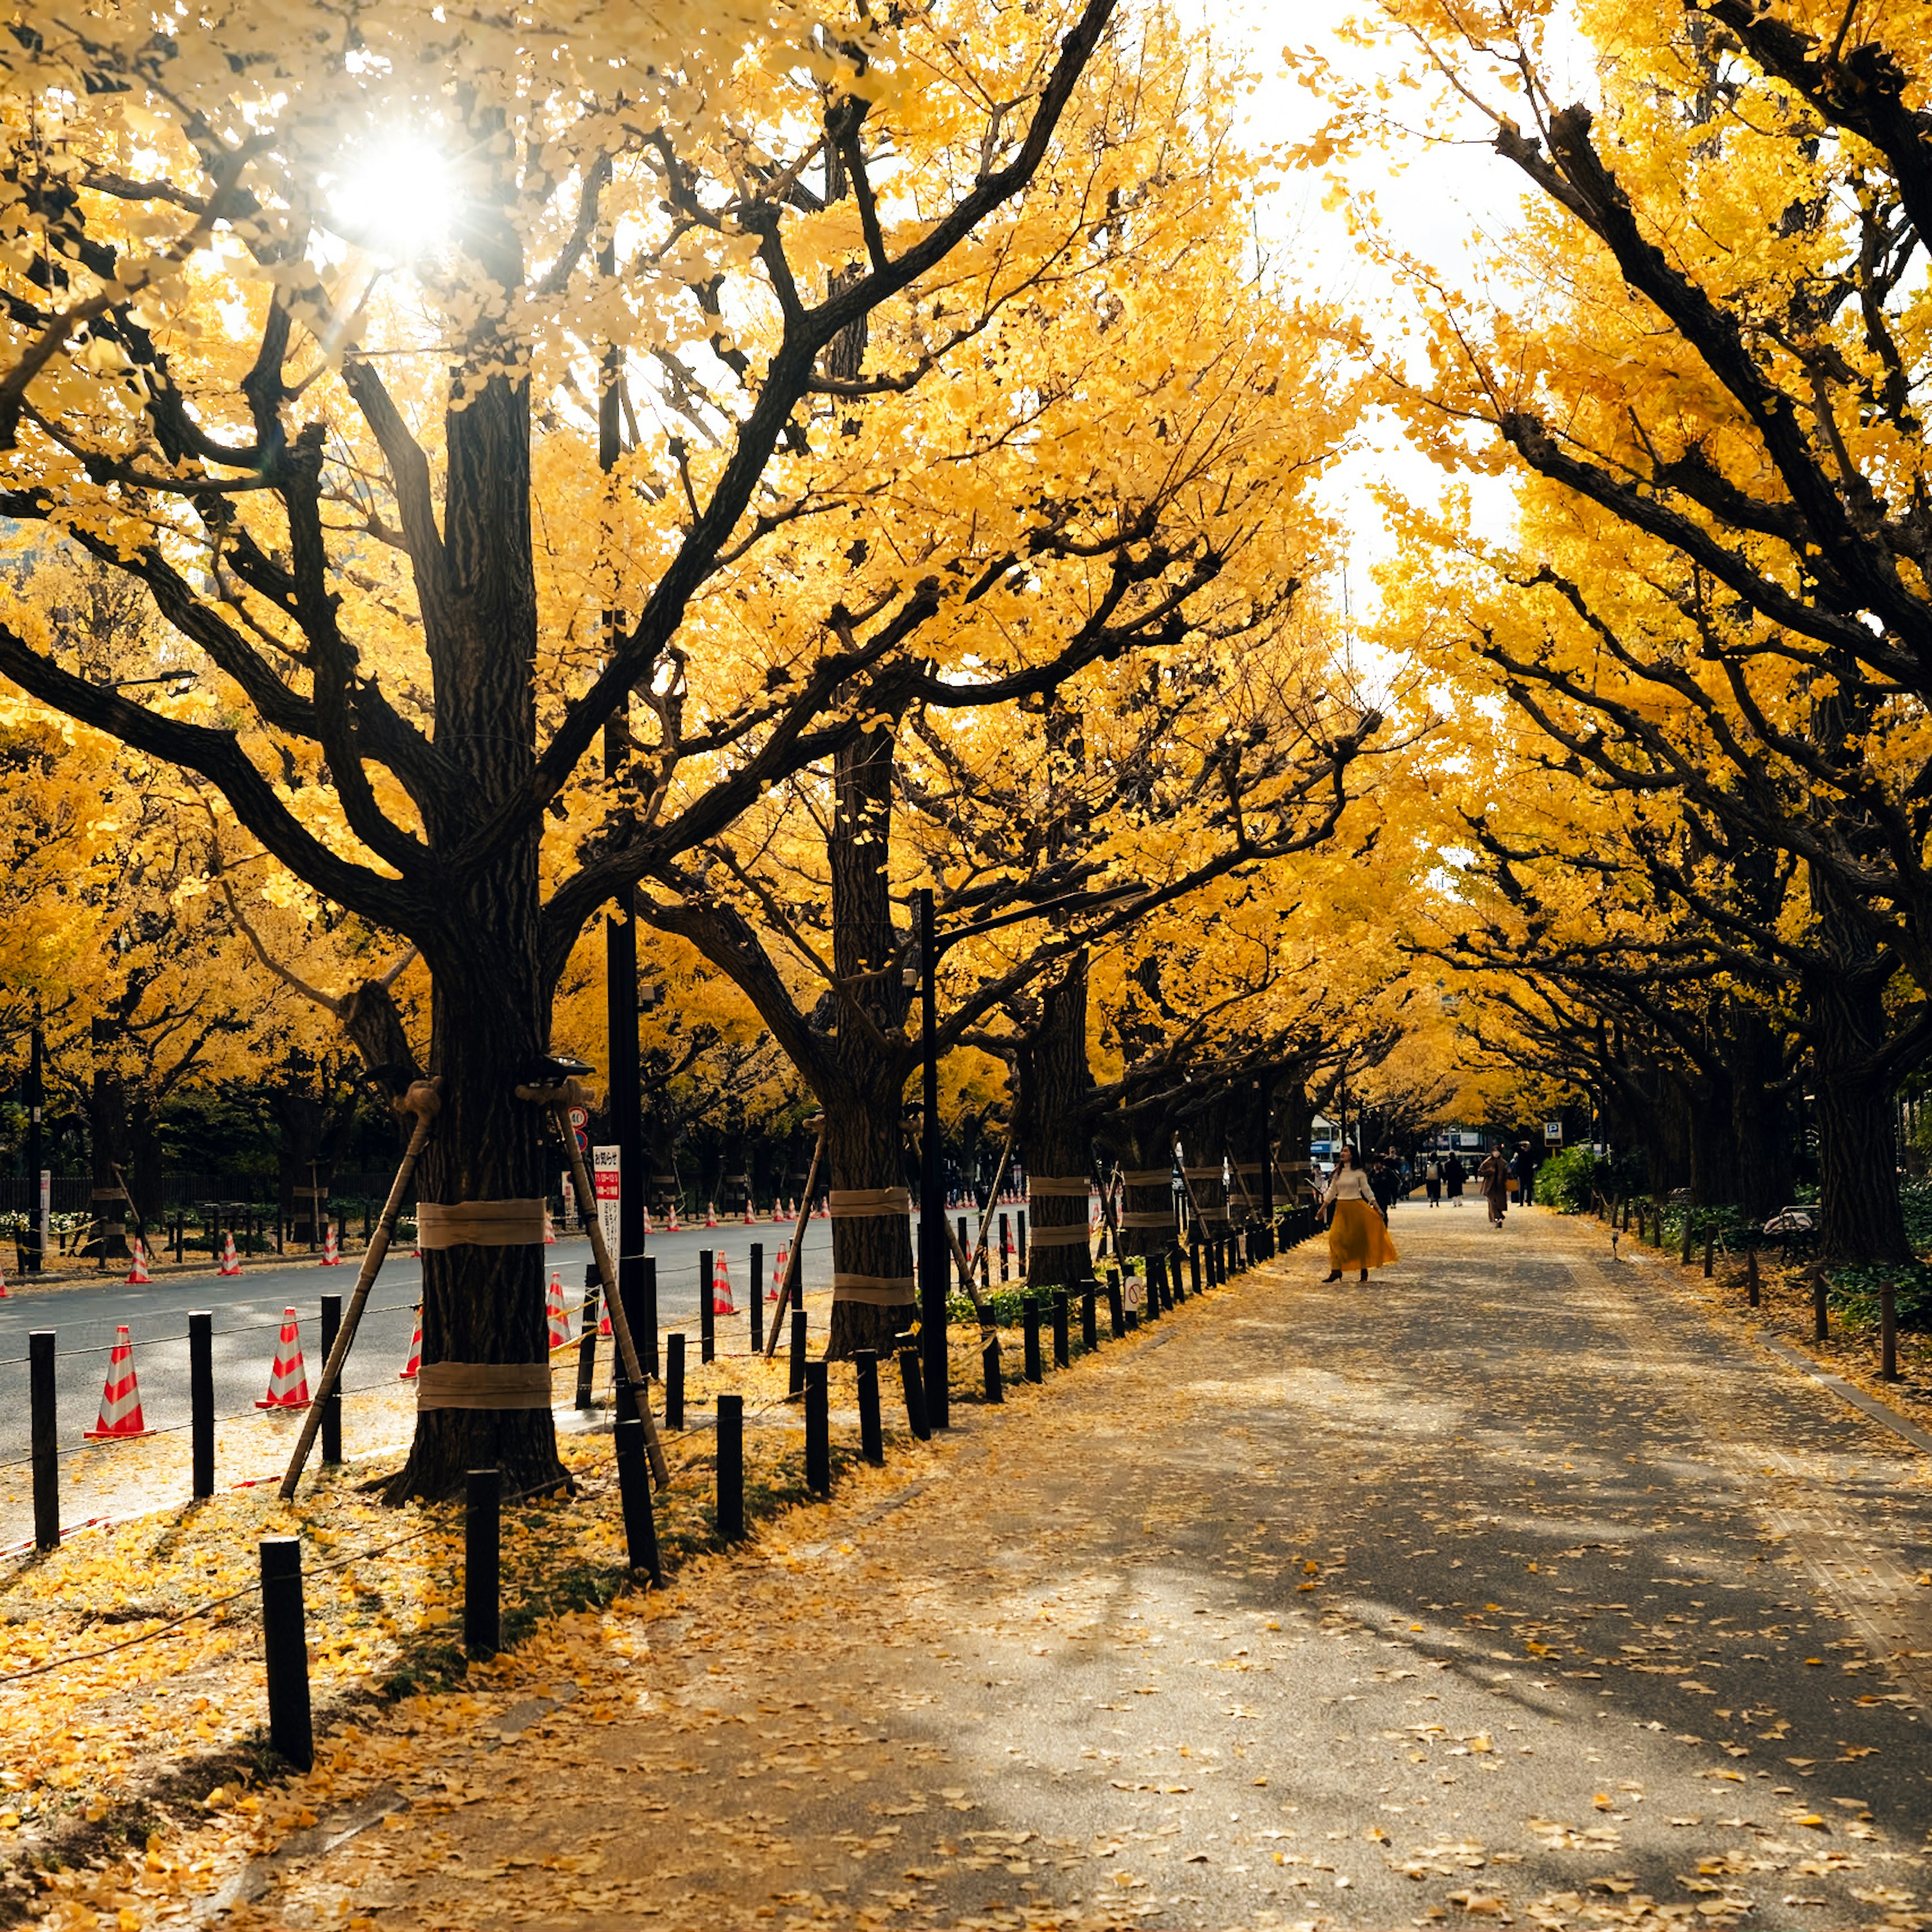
[[1266, 1110], [932, 1246], [620, 946], [34, 1260]]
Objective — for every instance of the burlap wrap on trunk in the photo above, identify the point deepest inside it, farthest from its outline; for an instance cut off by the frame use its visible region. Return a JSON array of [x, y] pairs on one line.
[[1154, 1177], [479, 1224], [1078, 1231], [869, 1204], [1163, 1218], [881, 1290], [484, 1384], [1072, 1186]]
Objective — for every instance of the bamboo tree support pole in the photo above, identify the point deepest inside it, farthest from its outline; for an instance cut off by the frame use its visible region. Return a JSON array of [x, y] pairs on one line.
[[423, 1099], [993, 1196], [558, 1102], [793, 1289]]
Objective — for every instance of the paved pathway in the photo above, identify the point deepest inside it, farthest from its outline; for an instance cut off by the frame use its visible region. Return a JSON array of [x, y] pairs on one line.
[[1501, 1591]]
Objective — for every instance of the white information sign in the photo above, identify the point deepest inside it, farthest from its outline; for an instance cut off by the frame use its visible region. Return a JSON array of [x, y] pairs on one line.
[[607, 1176]]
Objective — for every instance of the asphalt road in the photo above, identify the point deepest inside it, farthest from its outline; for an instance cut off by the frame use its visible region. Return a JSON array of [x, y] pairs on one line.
[[247, 1311]]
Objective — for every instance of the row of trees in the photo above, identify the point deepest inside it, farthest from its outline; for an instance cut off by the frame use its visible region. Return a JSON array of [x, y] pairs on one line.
[[1690, 795], [879, 433], [791, 463]]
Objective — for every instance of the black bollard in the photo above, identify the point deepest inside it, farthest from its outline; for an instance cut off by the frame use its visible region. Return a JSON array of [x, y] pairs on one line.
[[1690, 1237], [285, 1647], [1150, 1293], [201, 1396], [633, 1492], [44, 1433], [1030, 1318], [1710, 1250], [482, 1563], [1116, 1319], [1888, 1333], [674, 1379], [989, 1363], [818, 1430], [797, 1377], [1019, 1251], [645, 1335], [707, 1319], [731, 1467], [1005, 1240], [1754, 1294], [872, 1434], [1194, 1267], [914, 1384], [1063, 1344], [1176, 1289], [331, 1410], [757, 1297], [1090, 1326], [1820, 1317], [587, 1341]]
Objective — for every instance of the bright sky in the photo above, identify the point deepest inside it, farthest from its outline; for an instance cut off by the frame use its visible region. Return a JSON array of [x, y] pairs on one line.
[[1440, 208]]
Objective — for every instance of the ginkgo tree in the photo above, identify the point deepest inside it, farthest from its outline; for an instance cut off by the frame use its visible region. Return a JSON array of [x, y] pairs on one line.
[[1699, 356], [321, 439]]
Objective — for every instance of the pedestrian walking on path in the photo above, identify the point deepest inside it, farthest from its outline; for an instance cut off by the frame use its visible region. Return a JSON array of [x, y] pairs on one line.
[[1454, 1174], [1526, 1174], [1432, 1181], [1494, 1176], [1357, 1234]]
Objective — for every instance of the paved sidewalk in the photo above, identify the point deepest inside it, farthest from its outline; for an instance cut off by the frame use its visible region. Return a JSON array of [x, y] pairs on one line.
[[1503, 1591]]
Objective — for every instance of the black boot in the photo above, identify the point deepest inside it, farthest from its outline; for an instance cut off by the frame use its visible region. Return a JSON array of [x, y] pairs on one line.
[[1333, 1274]]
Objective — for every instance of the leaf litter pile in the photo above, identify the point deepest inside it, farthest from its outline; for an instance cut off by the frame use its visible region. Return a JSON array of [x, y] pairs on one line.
[[161, 1713], [1247, 1623]]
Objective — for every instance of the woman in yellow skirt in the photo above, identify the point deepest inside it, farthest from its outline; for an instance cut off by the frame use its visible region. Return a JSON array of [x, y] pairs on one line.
[[1357, 1234]]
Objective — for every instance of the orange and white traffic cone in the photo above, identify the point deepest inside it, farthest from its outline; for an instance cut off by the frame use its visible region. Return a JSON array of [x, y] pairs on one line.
[[3, 1284], [671, 1226], [288, 1380], [332, 1248], [778, 1267], [231, 1262], [559, 1315], [648, 1228], [751, 1218], [550, 1233], [409, 1368], [711, 1213], [604, 1322], [138, 1276], [120, 1395], [823, 1213], [721, 1303], [778, 1214]]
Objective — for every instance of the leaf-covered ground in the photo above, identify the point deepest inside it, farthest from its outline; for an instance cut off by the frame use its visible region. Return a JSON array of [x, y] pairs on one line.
[[1507, 1590]]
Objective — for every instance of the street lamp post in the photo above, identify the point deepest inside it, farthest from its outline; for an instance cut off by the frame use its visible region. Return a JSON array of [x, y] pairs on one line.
[[34, 1256], [932, 1258]]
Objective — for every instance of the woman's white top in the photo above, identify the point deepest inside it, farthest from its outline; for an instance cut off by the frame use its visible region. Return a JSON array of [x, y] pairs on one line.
[[1350, 1183]]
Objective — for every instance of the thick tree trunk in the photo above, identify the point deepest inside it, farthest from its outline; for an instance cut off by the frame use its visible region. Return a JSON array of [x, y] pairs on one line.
[[490, 1025], [1710, 1104], [865, 1098], [1146, 1148], [1761, 1116], [1248, 1142], [865, 1147], [1051, 1115], [1857, 1162], [107, 1131], [1203, 1142], [302, 1122]]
